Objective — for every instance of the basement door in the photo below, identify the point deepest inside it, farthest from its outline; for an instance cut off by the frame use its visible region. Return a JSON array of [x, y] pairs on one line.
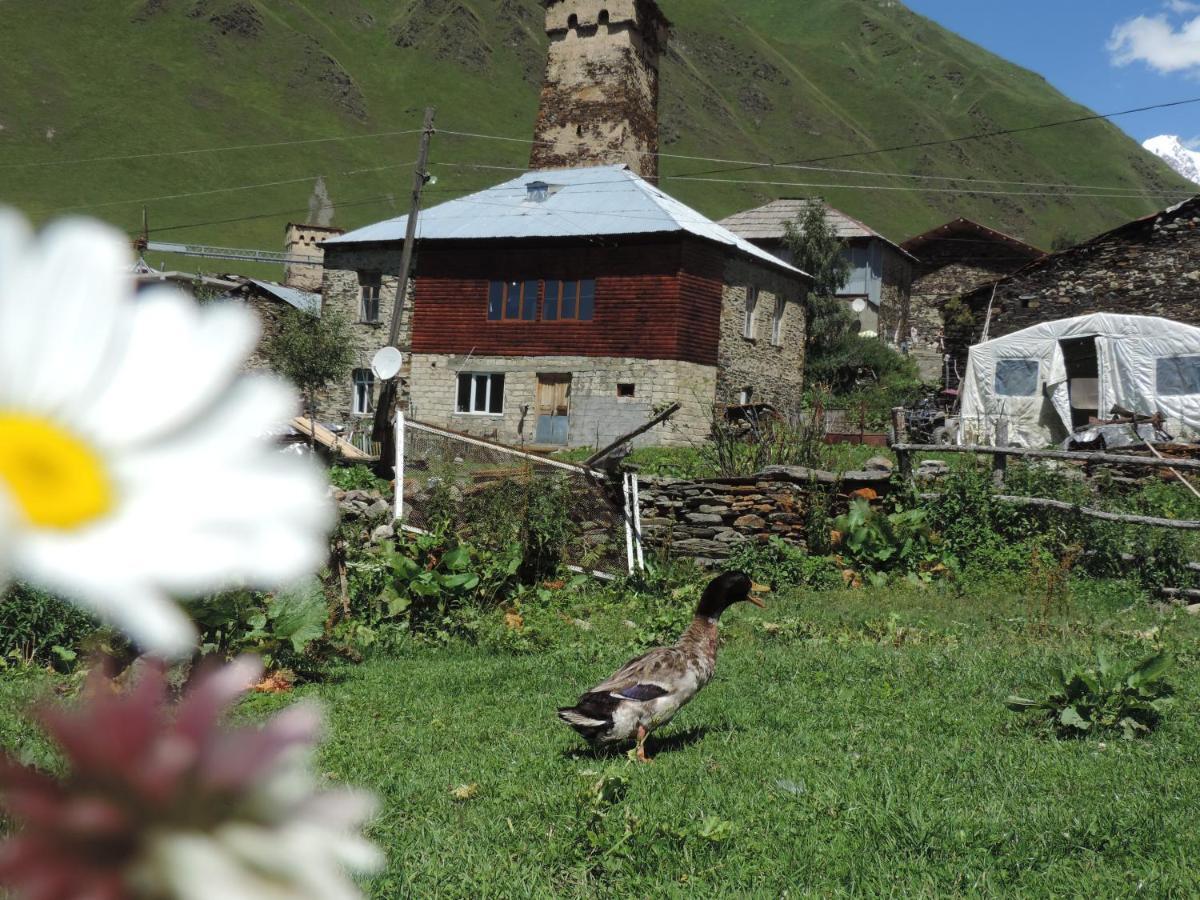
[[553, 409]]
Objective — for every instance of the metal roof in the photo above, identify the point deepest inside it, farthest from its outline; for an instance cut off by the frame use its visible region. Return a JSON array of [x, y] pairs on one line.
[[767, 223], [588, 202], [302, 300]]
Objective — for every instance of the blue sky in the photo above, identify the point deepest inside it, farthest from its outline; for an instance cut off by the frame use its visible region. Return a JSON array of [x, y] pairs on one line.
[[1107, 54]]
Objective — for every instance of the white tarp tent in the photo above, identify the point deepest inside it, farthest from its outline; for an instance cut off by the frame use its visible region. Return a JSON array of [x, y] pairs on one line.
[[1048, 380]]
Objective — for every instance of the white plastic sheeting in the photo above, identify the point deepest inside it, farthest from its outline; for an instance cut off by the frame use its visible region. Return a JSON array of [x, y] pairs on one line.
[[1145, 365]]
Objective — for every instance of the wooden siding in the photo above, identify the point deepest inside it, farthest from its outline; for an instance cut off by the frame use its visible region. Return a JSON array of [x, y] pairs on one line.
[[654, 300]]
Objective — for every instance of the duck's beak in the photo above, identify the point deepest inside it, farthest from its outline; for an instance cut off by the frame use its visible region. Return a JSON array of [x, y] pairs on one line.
[[756, 588]]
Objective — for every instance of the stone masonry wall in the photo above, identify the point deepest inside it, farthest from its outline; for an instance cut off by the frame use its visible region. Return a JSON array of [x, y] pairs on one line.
[[1149, 268], [708, 519], [598, 415], [342, 290], [774, 373], [894, 297]]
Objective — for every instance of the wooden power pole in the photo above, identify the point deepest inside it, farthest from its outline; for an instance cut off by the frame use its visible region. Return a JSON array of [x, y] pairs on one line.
[[382, 432]]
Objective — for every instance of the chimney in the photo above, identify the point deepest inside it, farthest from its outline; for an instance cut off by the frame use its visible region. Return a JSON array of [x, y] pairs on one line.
[[599, 101], [303, 241]]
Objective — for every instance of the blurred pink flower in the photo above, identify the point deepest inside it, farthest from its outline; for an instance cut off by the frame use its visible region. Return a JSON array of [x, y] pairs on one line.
[[155, 805]]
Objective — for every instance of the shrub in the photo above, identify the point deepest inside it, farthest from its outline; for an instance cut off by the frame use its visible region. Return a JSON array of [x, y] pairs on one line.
[[36, 627], [358, 478], [876, 543], [279, 627], [780, 565], [1129, 698]]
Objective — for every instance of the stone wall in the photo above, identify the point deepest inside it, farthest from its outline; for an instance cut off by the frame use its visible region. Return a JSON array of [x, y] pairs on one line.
[[708, 519], [598, 414], [894, 296], [342, 291], [773, 372], [1148, 268]]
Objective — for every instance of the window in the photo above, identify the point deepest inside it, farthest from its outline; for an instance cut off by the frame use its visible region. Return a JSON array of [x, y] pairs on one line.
[[570, 301], [626, 390], [751, 307], [370, 283], [480, 394], [1179, 376], [1017, 377], [777, 321], [512, 301], [364, 392]]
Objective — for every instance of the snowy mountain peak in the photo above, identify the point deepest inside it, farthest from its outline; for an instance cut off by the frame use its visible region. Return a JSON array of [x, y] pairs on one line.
[[1184, 161]]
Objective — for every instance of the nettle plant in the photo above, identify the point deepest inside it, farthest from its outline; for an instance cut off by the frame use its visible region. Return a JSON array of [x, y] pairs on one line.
[[1128, 697]]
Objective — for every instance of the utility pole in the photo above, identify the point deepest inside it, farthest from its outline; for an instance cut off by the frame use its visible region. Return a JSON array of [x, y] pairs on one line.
[[382, 432]]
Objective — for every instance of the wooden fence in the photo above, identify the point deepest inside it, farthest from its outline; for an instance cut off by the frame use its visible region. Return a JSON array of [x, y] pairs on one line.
[[1000, 455]]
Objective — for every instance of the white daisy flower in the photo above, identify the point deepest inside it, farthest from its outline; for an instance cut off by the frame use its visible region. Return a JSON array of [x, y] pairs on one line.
[[134, 458]]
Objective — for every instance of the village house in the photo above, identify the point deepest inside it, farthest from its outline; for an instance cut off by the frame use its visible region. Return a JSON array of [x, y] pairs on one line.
[[880, 271], [563, 307], [1148, 267], [952, 260]]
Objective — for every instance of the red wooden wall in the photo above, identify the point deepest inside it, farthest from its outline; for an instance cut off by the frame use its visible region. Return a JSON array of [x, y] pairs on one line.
[[654, 300]]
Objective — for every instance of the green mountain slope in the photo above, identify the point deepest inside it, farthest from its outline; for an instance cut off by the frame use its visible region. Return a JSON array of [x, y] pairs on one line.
[[764, 79]]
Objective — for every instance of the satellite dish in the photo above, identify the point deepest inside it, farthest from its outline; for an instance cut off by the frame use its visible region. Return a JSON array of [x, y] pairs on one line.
[[859, 305], [387, 362]]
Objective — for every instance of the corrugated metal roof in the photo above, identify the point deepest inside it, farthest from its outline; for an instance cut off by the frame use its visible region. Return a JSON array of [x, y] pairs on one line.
[[302, 300], [766, 223], [589, 202]]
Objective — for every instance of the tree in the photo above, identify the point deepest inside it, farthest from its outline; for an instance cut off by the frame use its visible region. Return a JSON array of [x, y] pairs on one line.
[[816, 248], [312, 351]]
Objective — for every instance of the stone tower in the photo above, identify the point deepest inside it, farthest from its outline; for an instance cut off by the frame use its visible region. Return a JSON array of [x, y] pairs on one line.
[[304, 242], [600, 96]]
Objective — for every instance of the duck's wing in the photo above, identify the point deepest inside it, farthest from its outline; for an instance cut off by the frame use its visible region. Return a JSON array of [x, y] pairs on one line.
[[646, 677]]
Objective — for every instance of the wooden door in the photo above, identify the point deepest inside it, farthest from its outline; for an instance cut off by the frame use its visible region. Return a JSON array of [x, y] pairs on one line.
[[553, 408]]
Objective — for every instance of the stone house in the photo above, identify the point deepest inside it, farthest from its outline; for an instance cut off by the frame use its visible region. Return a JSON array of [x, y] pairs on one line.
[[952, 260], [564, 307], [1148, 267], [880, 271]]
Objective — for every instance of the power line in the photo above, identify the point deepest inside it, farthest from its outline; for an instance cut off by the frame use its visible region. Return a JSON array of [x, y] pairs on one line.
[[978, 136], [270, 215], [744, 164], [221, 190], [196, 150]]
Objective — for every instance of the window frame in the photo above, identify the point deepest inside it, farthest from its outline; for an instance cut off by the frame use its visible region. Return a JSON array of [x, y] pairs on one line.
[[369, 282], [584, 298], [777, 321], [524, 304], [358, 378], [749, 323], [473, 396]]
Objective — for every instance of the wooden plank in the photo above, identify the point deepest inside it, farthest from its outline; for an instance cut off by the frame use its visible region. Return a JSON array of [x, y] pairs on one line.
[[328, 439], [1111, 459]]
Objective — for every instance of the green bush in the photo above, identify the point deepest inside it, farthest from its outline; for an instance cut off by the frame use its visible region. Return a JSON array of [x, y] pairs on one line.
[[36, 627], [279, 627], [358, 478], [780, 565], [877, 543]]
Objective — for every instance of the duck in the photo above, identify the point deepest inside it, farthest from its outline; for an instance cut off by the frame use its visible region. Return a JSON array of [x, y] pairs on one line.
[[647, 692]]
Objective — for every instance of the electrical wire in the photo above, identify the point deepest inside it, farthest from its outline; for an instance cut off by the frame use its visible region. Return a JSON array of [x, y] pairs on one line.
[[197, 150]]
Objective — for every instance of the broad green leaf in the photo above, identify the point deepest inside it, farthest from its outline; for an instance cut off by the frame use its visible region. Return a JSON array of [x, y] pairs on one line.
[[1070, 718], [1151, 669], [298, 616]]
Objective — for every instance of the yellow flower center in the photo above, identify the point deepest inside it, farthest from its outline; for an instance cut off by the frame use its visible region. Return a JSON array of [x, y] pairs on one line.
[[55, 479]]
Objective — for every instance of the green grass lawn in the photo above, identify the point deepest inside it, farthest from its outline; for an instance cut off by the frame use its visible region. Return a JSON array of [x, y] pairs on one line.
[[851, 744]]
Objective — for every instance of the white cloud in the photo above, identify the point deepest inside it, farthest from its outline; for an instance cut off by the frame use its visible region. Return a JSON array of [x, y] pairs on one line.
[[1182, 7], [1156, 41], [1193, 143]]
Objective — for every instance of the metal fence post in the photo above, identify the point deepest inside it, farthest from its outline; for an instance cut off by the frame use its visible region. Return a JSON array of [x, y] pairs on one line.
[[399, 465], [628, 517], [637, 521]]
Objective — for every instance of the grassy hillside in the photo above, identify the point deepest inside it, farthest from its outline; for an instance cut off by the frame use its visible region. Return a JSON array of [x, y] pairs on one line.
[[765, 79]]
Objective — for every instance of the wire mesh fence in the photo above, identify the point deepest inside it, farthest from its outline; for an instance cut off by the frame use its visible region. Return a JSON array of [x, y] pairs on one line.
[[442, 474]]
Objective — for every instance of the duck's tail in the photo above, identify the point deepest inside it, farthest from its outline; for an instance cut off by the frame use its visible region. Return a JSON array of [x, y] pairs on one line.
[[592, 716]]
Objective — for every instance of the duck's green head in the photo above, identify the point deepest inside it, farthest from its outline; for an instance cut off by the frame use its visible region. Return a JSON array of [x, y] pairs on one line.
[[726, 590]]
